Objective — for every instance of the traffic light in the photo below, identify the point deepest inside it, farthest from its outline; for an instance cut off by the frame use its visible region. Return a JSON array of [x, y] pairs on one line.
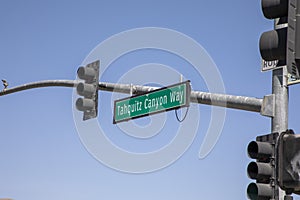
[[88, 89], [289, 162], [263, 169], [283, 43]]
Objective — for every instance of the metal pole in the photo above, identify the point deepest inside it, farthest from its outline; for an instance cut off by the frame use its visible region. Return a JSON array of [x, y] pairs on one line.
[[280, 119], [280, 90], [223, 100], [39, 84]]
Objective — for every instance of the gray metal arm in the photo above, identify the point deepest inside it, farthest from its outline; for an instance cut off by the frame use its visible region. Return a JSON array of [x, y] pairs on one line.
[[222, 100]]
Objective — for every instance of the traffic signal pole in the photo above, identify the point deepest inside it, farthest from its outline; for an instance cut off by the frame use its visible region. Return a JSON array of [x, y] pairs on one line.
[[280, 90], [281, 45], [268, 106], [280, 120], [222, 100], [274, 105]]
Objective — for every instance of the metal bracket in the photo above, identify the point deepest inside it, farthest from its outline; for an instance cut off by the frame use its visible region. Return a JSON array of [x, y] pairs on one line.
[[268, 106], [292, 80], [131, 89]]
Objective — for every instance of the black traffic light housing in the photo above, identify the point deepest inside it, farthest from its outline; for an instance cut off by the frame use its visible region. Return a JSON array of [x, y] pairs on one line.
[[293, 38], [283, 43], [263, 169], [88, 89], [288, 161]]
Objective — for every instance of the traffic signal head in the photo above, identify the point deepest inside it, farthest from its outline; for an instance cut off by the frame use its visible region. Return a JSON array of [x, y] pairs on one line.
[[262, 170], [288, 161], [293, 38], [272, 45], [88, 89], [283, 43], [259, 191], [274, 8]]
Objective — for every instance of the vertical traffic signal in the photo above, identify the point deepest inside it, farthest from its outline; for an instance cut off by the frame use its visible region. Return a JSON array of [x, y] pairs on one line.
[[293, 38], [283, 43], [288, 162], [263, 169], [88, 89]]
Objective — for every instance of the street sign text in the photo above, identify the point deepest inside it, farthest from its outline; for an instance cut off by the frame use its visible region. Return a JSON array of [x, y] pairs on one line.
[[160, 100]]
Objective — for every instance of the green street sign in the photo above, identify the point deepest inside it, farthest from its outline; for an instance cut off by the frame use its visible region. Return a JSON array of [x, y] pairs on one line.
[[156, 101]]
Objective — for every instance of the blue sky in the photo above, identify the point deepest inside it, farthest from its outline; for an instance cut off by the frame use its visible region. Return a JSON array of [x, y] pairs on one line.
[[42, 156]]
